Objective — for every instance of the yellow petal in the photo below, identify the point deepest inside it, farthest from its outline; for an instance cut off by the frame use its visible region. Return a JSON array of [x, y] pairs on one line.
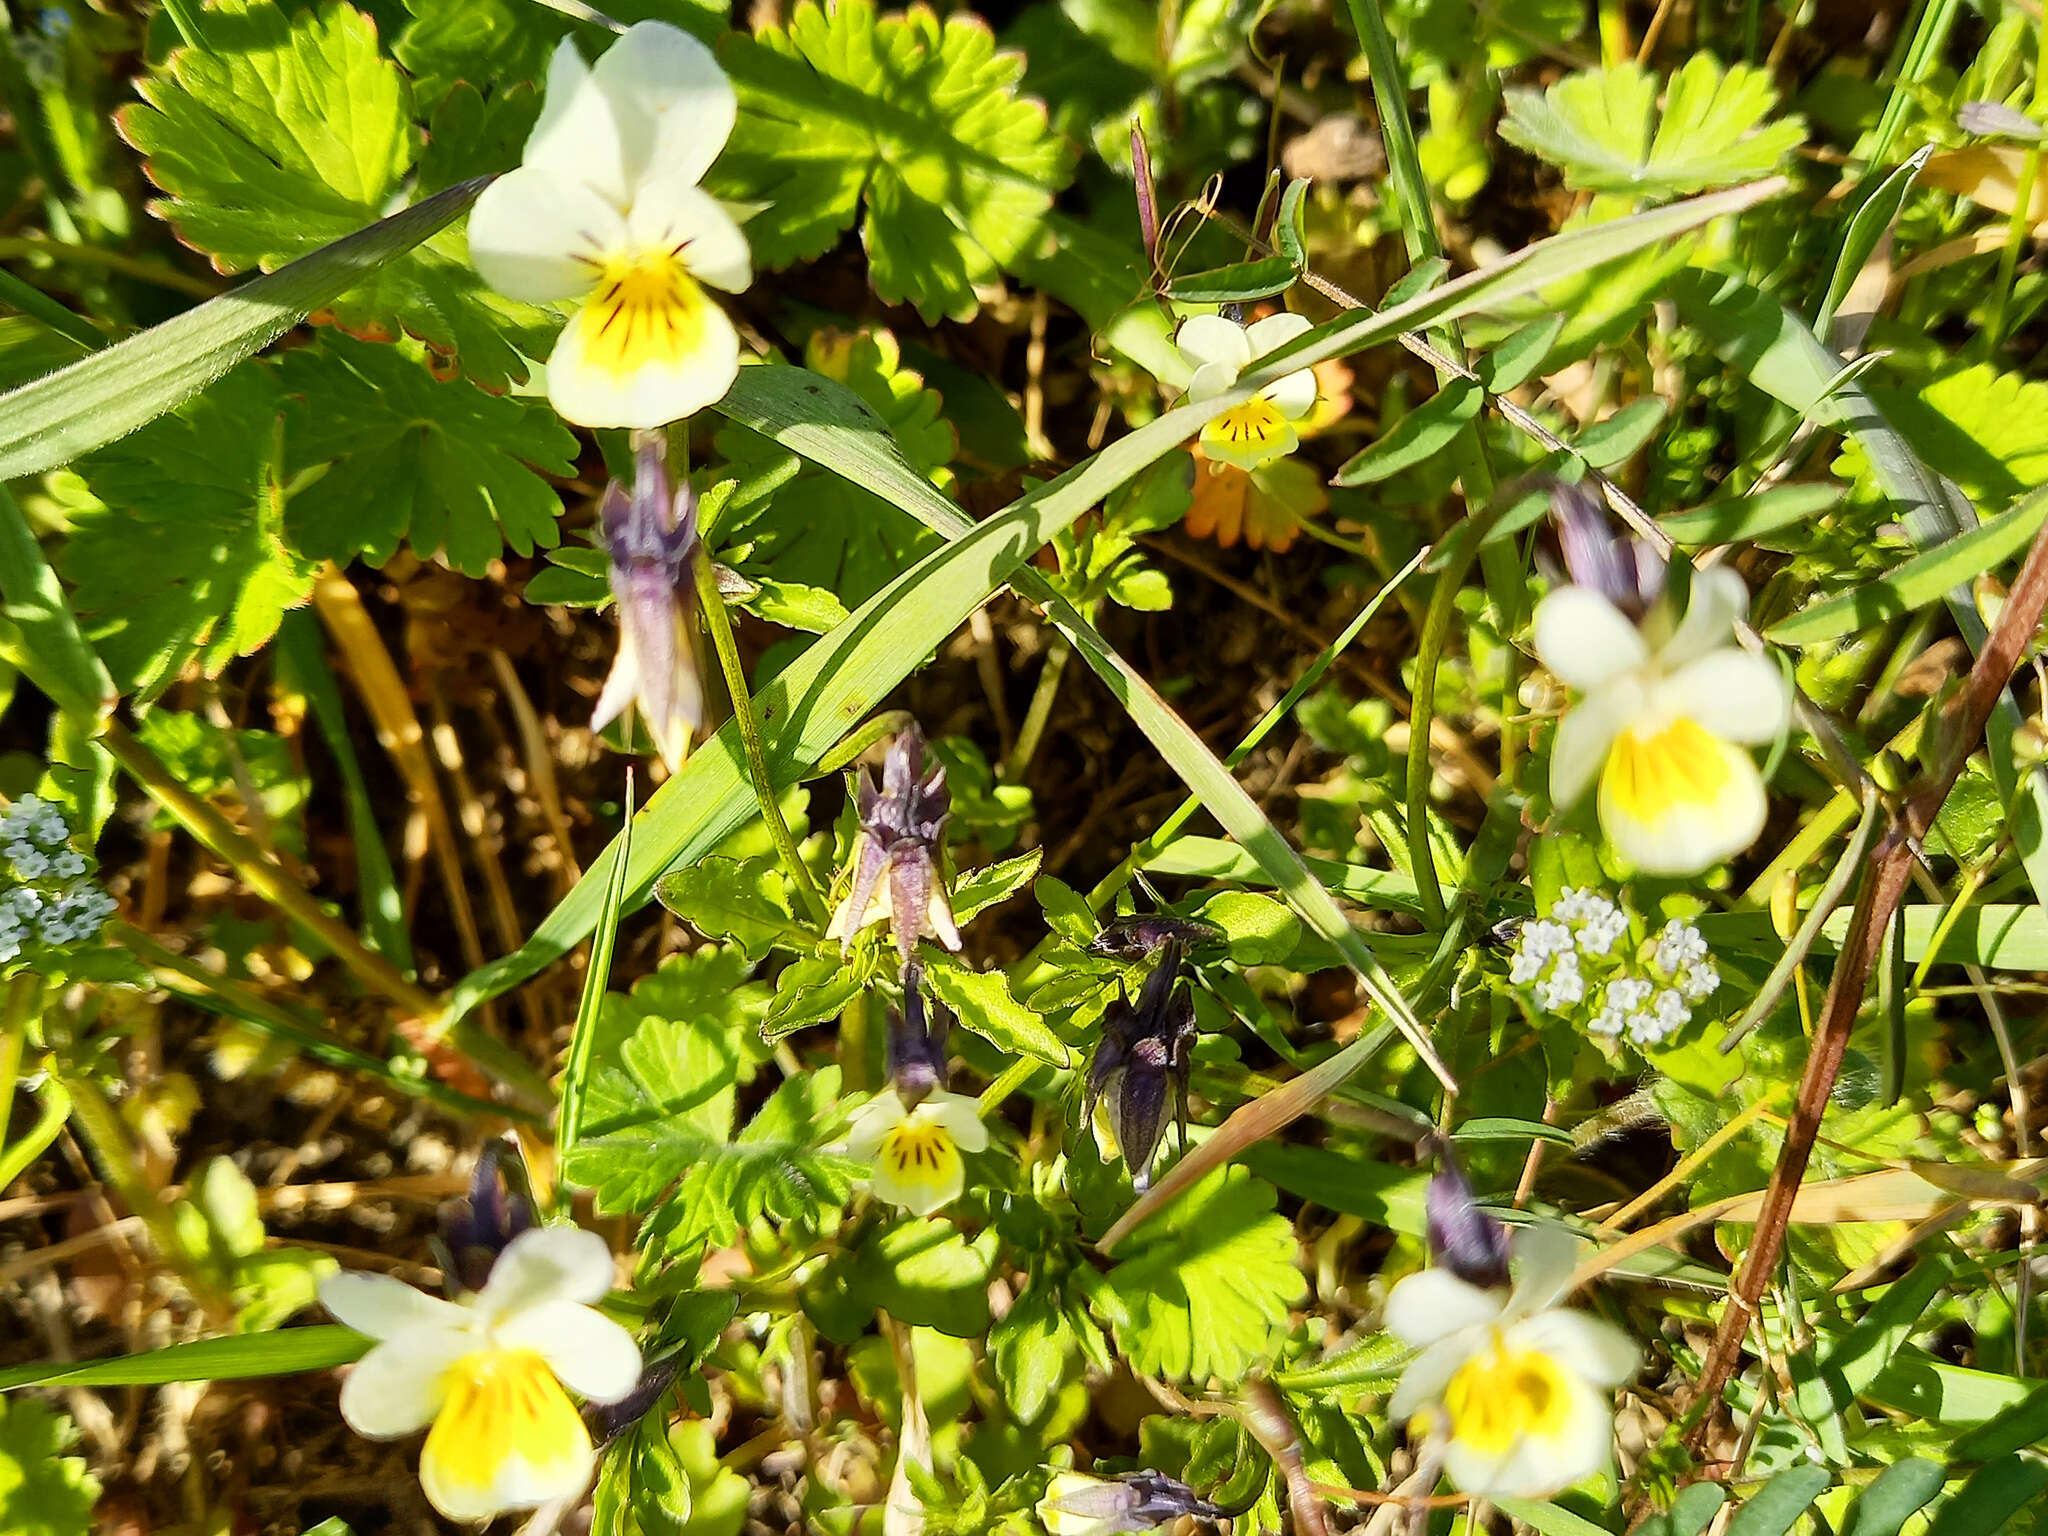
[[1249, 435], [647, 348], [506, 1438], [918, 1167], [1680, 799]]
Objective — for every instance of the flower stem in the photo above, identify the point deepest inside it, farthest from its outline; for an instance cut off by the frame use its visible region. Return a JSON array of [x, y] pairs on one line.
[[1033, 729], [719, 622]]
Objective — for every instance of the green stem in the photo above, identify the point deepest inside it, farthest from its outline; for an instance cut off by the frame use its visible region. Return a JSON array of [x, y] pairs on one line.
[[2021, 222], [1014, 1076], [180, 12], [1404, 163], [36, 304], [1042, 697], [18, 249], [719, 622]]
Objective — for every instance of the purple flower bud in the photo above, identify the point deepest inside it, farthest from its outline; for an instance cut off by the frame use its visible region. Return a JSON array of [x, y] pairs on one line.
[[1994, 119], [1076, 1504], [477, 1227], [1628, 572], [1144, 936], [896, 856], [1471, 1243], [1142, 1065], [651, 535], [917, 1050]]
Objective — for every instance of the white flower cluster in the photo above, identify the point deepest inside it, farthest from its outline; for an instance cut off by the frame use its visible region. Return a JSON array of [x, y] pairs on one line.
[[51, 900], [1569, 964]]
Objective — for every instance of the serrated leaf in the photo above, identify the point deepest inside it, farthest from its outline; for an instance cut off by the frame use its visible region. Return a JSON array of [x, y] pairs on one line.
[[727, 899], [1065, 912], [44, 1490], [443, 466], [917, 119], [1029, 1349], [980, 889], [184, 557], [986, 1005], [1984, 429], [812, 610], [481, 41], [819, 530], [1601, 127], [1203, 1287], [925, 1273], [1259, 930], [810, 991], [286, 132]]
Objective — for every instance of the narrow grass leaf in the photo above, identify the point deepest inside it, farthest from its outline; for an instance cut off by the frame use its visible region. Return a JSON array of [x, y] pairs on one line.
[[582, 1042], [237, 1357]]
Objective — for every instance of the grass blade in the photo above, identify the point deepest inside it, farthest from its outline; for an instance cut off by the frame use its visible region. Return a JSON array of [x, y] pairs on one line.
[[236, 1357], [582, 1042]]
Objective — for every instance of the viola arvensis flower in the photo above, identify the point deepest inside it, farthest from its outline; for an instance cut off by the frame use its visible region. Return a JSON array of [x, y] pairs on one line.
[[914, 1131], [1141, 1068], [605, 209], [1670, 704], [1076, 1504], [1512, 1391], [487, 1372], [1264, 428], [896, 873], [651, 534]]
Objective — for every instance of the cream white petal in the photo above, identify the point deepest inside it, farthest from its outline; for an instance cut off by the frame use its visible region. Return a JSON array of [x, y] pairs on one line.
[[1211, 380], [1736, 695], [1686, 836], [1584, 638], [1586, 1345], [920, 1193], [382, 1307], [670, 213], [1579, 746], [621, 684], [517, 1483], [651, 395], [1431, 1371], [1207, 340], [579, 136], [1434, 1304], [536, 236], [1274, 332], [1543, 1259], [873, 1121], [959, 1116], [1717, 599], [589, 1353], [1294, 394], [399, 1386], [546, 1264], [1472, 1470], [1579, 1444], [674, 103]]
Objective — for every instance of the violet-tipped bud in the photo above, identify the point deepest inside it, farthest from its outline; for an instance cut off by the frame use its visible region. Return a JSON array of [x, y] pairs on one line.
[[477, 1227], [917, 1041], [1076, 1504], [1626, 571], [1147, 934], [651, 535], [896, 857], [1468, 1241], [1141, 1068]]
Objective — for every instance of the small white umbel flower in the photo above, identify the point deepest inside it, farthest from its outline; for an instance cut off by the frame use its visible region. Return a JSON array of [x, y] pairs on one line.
[[487, 1372], [1667, 713], [1512, 1390], [1261, 430], [605, 208]]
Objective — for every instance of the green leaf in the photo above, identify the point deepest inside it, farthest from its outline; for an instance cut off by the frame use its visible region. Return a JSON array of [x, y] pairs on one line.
[[215, 761], [1985, 430], [1690, 1512], [1856, 1358], [1549, 1519], [1260, 930], [1597, 126], [44, 1490], [1993, 1495], [1606, 443], [1772, 1510], [1419, 436], [979, 889], [813, 610], [1901, 1491], [482, 41], [810, 991], [183, 557], [288, 131], [1740, 519], [238, 1357], [1240, 284], [986, 1005], [727, 899], [1914, 583], [443, 466], [106, 396], [925, 1273], [917, 119], [590, 1007], [1205, 1284], [1066, 913], [1030, 1348], [1520, 355], [815, 529], [40, 633]]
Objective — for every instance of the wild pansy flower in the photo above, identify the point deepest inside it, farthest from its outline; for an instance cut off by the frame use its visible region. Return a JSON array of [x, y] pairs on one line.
[[896, 872], [487, 1372], [1264, 428], [605, 210], [1512, 1391], [914, 1131], [1670, 703], [1076, 1504], [651, 534], [1141, 1068]]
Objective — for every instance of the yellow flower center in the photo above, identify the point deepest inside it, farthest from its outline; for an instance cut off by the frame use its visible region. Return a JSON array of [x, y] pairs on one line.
[[1502, 1395], [1681, 766], [647, 310], [501, 1404], [1249, 428], [920, 1152]]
